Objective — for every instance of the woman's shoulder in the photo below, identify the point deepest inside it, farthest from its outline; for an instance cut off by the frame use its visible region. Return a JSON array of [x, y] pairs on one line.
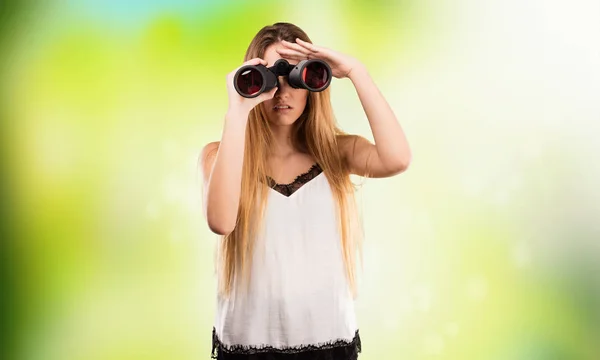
[[210, 147], [209, 150], [207, 156]]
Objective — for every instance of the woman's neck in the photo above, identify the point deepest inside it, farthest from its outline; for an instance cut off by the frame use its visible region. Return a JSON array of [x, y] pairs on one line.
[[283, 146]]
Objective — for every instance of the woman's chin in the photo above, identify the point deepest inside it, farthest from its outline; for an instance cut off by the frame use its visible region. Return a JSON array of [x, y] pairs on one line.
[[283, 119]]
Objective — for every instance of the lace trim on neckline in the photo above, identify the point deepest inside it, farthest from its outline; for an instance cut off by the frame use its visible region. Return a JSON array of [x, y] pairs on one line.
[[289, 188], [353, 346]]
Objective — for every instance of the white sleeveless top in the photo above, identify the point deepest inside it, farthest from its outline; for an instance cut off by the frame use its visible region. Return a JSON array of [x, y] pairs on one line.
[[298, 296]]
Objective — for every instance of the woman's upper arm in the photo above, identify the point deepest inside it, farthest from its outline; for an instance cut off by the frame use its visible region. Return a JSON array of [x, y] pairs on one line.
[[354, 154], [361, 158]]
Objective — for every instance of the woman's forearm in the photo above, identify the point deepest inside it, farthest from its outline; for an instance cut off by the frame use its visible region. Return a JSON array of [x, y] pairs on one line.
[[390, 140], [224, 185]]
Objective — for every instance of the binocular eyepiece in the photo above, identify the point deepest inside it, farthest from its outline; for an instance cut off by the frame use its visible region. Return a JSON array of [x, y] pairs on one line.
[[252, 80]]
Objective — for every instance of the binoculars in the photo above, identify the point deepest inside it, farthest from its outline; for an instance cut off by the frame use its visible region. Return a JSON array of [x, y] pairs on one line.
[[252, 80]]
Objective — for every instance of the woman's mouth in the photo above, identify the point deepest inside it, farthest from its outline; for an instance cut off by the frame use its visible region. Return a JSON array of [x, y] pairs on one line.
[[282, 108]]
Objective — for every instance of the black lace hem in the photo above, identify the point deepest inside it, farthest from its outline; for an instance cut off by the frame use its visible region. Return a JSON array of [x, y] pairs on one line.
[[332, 350], [290, 188]]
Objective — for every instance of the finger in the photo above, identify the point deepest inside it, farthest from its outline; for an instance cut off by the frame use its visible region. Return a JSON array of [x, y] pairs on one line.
[[308, 46], [255, 61], [295, 57], [292, 54], [267, 95], [296, 47], [318, 51]]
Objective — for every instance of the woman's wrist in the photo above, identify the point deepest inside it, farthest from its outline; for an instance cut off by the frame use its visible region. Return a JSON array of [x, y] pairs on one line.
[[237, 114], [358, 70]]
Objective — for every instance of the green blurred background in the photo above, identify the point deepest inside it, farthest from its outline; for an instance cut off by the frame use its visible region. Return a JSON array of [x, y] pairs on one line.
[[488, 247]]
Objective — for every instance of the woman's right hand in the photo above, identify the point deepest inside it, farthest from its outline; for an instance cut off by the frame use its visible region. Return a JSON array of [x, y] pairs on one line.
[[238, 103]]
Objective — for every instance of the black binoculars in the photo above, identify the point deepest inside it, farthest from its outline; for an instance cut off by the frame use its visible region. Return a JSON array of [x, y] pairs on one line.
[[252, 80]]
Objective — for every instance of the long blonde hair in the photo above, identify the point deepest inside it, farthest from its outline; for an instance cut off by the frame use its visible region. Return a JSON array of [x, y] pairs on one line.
[[315, 132]]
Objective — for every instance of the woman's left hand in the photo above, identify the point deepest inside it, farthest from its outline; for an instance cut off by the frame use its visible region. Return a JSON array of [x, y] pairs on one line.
[[341, 65]]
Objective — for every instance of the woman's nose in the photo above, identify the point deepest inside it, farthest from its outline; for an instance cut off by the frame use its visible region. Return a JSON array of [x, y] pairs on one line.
[[283, 83]]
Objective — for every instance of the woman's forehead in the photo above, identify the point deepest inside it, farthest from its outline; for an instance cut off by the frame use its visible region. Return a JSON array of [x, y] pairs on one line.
[[271, 55]]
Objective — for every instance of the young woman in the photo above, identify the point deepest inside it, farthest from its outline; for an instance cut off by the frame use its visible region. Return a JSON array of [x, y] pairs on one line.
[[277, 188]]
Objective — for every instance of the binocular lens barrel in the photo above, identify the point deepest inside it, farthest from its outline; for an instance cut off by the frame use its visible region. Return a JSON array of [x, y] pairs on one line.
[[252, 80], [316, 76]]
